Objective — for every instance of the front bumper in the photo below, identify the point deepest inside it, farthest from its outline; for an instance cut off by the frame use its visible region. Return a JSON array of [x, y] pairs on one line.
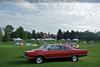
[[28, 57]]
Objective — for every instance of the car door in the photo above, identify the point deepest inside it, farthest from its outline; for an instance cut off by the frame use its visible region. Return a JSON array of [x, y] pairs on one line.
[[63, 51], [67, 52], [55, 52], [50, 53]]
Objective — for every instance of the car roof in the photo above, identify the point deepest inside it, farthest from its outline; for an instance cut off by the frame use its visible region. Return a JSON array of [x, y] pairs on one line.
[[68, 46]]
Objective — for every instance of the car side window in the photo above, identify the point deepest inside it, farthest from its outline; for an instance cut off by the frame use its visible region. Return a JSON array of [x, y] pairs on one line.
[[64, 48], [57, 47]]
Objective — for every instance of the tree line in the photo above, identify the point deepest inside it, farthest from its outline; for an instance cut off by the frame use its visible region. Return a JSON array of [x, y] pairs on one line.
[[8, 33], [86, 35]]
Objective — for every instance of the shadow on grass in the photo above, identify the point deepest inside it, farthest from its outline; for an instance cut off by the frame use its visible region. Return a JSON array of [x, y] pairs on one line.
[[19, 62], [23, 61], [21, 57], [58, 60]]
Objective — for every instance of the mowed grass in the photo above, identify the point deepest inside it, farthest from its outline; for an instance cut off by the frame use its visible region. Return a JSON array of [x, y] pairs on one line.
[[12, 56]]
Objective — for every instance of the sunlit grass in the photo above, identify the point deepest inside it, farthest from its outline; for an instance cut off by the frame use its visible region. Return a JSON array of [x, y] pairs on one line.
[[12, 56]]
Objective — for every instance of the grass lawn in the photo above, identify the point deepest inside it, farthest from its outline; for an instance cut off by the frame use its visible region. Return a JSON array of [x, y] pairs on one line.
[[12, 56]]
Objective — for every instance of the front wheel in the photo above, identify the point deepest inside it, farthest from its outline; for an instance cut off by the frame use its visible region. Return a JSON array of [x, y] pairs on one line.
[[39, 59], [74, 58]]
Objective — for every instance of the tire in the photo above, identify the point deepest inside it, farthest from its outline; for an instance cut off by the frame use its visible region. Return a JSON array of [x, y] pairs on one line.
[[74, 58], [39, 59]]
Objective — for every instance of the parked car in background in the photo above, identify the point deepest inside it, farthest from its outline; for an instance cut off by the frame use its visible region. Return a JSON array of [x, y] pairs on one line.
[[54, 51]]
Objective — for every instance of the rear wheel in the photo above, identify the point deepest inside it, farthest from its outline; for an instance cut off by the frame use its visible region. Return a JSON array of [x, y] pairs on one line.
[[39, 59], [74, 58]]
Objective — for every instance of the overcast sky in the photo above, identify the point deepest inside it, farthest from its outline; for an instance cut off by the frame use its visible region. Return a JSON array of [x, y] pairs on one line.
[[49, 17]]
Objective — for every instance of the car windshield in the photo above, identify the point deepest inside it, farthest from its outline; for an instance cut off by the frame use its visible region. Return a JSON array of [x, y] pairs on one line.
[[46, 47]]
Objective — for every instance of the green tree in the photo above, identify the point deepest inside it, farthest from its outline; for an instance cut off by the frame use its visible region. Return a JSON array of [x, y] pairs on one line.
[[72, 34], [6, 38], [19, 33], [38, 35], [87, 35], [26, 35], [13, 35], [29, 35], [66, 35], [1, 33], [34, 34], [59, 34], [41, 35], [7, 30]]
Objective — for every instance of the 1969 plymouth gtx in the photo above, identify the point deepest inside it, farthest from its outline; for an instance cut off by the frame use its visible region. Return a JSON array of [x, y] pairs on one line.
[[54, 51]]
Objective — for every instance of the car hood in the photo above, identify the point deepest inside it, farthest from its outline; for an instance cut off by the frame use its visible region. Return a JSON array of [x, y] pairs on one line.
[[34, 50]]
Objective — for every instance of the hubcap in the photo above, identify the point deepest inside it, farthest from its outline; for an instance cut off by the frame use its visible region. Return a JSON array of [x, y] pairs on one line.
[[39, 60], [74, 58]]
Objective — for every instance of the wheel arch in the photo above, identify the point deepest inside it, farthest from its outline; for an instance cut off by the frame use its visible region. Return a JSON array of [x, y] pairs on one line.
[[40, 56]]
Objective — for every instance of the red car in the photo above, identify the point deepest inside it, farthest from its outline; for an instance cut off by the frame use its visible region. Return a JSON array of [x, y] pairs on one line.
[[55, 51]]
